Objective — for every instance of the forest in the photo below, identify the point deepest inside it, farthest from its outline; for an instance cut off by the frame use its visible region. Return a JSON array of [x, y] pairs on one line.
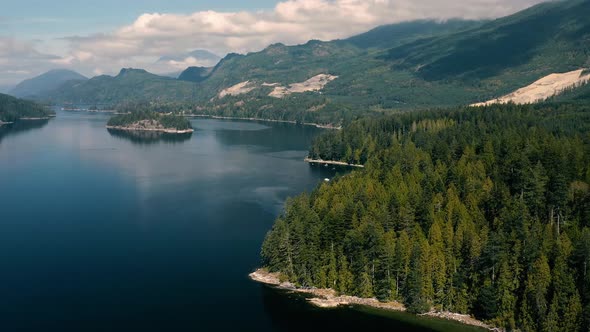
[[168, 121], [12, 109], [483, 211]]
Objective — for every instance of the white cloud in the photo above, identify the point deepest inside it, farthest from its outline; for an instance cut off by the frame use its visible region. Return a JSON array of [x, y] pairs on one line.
[[152, 35], [290, 22], [19, 59]]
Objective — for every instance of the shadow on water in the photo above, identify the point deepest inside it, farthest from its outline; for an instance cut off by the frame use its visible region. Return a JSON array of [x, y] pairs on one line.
[[291, 312], [19, 127], [149, 137], [279, 137]]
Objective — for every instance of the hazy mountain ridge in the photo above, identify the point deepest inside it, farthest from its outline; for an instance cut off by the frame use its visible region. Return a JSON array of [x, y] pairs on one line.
[[402, 66], [45, 83]]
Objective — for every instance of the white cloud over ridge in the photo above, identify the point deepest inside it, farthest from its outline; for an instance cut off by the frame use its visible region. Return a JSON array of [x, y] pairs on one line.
[[152, 35]]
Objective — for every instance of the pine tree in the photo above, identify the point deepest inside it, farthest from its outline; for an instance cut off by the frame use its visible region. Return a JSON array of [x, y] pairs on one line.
[[551, 323], [365, 288], [345, 277], [537, 286], [573, 314], [506, 290], [332, 274], [438, 265]]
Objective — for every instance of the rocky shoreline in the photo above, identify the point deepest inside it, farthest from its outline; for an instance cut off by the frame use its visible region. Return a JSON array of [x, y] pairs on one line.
[[328, 298], [317, 125], [331, 162], [39, 118], [161, 130], [28, 119]]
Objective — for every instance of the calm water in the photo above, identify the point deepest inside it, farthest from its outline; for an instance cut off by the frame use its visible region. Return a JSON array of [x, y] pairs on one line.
[[101, 231]]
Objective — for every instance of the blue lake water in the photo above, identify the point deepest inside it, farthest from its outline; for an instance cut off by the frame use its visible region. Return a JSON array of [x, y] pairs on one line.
[[102, 231]]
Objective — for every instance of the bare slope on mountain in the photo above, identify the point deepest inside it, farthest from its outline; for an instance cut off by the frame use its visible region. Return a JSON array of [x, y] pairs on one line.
[[542, 89], [454, 64]]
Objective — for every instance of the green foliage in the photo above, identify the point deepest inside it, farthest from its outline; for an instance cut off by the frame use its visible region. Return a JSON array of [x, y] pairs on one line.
[[12, 109], [482, 211], [532, 40], [392, 35], [406, 66], [167, 121], [128, 85]]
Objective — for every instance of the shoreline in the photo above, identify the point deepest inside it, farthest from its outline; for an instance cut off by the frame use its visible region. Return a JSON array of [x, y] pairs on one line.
[[79, 110], [331, 162], [36, 119], [167, 131], [317, 125], [328, 298]]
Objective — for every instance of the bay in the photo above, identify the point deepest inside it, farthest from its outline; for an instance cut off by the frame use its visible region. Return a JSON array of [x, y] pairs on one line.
[[106, 231]]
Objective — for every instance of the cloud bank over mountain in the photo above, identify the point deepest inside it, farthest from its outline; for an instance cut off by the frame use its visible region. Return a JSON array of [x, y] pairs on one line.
[[152, 35]]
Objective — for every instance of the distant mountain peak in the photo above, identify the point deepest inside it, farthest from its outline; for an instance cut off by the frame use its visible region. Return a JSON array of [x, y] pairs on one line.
[[195, 74], [45, 82], [125, 71]]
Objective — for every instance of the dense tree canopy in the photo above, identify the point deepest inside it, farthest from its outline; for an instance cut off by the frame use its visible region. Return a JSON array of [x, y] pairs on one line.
[[167, 121], [12, 109], [477, 210]]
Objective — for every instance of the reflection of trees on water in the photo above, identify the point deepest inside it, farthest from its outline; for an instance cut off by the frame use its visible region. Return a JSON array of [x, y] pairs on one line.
[[149, 137], [21, 126], [278, 137], [292, 312]]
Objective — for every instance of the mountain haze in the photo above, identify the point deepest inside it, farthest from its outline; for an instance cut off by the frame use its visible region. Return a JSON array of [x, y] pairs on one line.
[[129, 84], [203, 57], [408, 65], [45, 83]]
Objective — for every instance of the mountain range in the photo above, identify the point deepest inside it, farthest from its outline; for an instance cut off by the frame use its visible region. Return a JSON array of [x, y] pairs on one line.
[[401, 66], [44, 84]]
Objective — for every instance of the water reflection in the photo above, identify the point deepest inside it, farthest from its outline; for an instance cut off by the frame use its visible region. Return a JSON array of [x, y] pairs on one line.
[[292, 312], [21, 127], [279, 137], [149, 137]]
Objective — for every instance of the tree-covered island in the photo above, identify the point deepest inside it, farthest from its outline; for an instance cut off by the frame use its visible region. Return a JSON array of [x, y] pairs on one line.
[[150, 121]]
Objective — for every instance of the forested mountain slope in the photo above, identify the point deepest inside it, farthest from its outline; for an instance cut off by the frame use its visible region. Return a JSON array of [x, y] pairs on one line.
[[129, 85], [12, 109], [405, 66], [477, 210]]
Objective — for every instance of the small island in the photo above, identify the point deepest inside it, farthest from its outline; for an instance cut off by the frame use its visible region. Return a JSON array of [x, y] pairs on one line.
[[150, 121]]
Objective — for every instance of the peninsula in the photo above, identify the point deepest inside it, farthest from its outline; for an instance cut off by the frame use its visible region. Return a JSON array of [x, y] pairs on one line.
[[329, 298], [150, 121], [13, 109]]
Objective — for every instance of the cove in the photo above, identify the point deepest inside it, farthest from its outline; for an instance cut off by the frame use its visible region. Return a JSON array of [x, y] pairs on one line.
[[101, 231]]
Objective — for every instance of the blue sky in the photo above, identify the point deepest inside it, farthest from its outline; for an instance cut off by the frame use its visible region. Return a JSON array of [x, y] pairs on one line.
[[96, 37], [47, 18]]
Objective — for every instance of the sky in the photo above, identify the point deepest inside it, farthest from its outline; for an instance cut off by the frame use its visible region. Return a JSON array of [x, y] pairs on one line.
[[97, 37]]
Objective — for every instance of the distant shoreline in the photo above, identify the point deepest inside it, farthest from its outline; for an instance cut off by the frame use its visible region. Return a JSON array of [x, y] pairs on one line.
[[93, 111], [331, 162], [328, 298], [163, 130], [328, 126], [2, 123], [35, 119]]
